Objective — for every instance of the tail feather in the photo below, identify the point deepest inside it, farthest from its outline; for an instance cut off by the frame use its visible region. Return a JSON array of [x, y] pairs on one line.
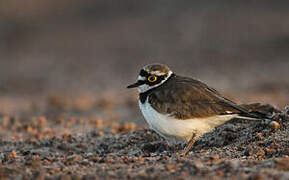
[[263, 111]]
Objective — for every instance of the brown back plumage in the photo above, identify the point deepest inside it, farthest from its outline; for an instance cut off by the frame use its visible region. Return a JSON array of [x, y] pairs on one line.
[[186, 98]]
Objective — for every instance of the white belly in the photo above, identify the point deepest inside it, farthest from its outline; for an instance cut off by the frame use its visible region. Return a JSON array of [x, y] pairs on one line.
[[173, 129]]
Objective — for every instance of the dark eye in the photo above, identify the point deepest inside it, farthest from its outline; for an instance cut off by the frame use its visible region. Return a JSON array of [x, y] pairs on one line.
[[152, 78]]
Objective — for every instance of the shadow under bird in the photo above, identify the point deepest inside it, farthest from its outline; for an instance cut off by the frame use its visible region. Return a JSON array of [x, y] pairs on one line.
[[181, 108]]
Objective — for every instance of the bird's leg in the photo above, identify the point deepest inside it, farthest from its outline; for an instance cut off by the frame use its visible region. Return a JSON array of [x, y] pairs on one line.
[[190, 143]]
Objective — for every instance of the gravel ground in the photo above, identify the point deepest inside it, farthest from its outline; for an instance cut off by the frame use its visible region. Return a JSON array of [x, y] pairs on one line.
[[65, 112], [236, 150]]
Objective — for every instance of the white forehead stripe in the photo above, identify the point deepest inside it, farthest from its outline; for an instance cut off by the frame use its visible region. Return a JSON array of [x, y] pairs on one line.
[[141, 78], [169, 74], [158, 73]]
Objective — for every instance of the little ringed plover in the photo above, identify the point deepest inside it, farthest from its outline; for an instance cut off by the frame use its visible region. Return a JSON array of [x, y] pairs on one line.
[[181, 108]]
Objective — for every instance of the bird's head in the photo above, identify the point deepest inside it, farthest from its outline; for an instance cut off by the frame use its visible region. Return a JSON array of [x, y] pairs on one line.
[[151, 76]]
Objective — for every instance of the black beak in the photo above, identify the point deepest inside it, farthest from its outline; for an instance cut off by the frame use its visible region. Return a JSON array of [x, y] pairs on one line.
[[137, 84]]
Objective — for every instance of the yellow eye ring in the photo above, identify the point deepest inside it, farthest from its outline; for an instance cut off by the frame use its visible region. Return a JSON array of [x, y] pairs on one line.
[[152, 78]]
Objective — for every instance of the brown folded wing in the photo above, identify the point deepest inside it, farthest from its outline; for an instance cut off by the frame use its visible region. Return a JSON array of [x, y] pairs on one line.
[[186, 98]]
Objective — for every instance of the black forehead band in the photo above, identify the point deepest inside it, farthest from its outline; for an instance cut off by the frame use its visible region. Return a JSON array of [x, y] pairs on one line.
[[143, 73]]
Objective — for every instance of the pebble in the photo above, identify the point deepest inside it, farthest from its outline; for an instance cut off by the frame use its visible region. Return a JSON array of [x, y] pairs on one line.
[[274, 125]]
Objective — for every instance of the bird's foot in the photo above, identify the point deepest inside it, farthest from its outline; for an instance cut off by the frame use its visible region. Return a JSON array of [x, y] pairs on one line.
[[190, 144]]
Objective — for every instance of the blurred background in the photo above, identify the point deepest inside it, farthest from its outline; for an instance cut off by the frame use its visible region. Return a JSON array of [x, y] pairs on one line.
[[63, 59]]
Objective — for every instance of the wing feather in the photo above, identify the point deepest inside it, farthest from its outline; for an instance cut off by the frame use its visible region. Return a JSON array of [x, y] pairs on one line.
[[186, 98]]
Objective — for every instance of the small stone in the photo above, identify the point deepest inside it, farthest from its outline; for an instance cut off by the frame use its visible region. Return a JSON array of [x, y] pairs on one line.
[[220, 173], [72, 158], [171, 167], [260, 136], [89, 154], [270, 151], [12, 155], [67, 137], [129, 126], [100, 133], [115, 128], [274, 125], [199, 164], [260, 153], [213, 158]]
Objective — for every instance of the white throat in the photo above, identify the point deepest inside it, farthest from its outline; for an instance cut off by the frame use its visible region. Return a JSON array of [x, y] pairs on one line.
[[145, 87]]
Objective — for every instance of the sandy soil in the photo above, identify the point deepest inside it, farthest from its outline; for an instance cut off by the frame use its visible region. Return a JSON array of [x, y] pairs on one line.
[[70, 146], [65, 112]]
